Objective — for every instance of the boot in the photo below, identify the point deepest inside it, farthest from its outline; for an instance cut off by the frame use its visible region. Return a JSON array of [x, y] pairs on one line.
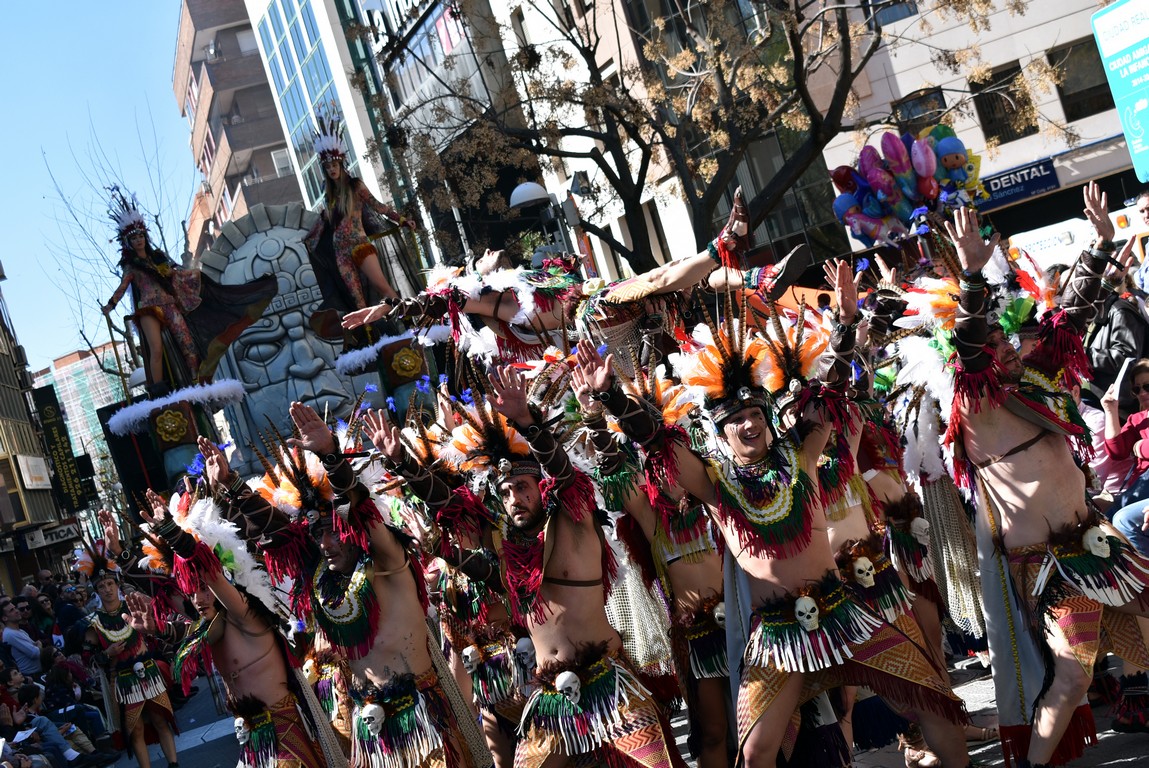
[[776, 278], [734, 239]]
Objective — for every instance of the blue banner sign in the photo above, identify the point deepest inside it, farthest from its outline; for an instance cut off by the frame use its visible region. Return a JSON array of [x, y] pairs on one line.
[[1122, 34], [1017, 184]]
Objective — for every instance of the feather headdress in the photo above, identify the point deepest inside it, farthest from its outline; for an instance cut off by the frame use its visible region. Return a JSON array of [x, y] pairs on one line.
[[91, 559], [931, 303], [328, 140], [673, 401], [124, 211], [485, 443], [796, 344], [730, 367]]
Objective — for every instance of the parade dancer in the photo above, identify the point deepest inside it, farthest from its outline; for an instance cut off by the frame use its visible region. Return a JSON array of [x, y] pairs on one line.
[[807, 633], [202, 316], [236, 633], [667, 533], [338, 243], [1016, 428], [140, 684], [353, 574]]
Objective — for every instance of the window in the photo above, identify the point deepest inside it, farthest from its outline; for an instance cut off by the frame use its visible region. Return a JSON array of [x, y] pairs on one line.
[[888, 12], [998, 101], [246, 40], [919, 111], [1084, 91], [282, 160]]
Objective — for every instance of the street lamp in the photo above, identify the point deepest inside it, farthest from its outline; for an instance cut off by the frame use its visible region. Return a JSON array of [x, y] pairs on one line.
[[530, 194]]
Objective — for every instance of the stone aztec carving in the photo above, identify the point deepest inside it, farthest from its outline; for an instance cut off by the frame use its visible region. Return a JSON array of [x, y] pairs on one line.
[[279, 359]]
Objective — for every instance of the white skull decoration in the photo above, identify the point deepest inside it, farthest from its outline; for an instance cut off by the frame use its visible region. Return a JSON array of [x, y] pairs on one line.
[[372, 714], [310, 672], [525, 653], [471, 659], [568, 684], [138, 668], [242, 735], [864, 572], [720, 614], [806, 612], [920, 528], [1096, 542]]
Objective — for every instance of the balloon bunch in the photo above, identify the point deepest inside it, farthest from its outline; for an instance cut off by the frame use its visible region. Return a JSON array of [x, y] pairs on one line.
[[887, 195]]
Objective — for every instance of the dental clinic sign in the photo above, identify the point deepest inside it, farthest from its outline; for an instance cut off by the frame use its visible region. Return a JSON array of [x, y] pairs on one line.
[[1122, 34], [1017, 184]]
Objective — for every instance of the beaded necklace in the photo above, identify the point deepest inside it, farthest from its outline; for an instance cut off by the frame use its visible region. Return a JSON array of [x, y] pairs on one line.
[[112, 627], [345, 606], [767, 501]]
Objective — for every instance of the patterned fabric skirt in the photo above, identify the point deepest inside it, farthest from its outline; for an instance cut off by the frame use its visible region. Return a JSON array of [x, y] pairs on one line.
[[406, 723], [847, 645], [275, 735]]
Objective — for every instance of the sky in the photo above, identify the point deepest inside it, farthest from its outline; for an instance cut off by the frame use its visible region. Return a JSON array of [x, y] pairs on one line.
[[88, 88]]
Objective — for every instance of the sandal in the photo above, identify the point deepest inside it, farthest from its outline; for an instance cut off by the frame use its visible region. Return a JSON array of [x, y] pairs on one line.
[[917, 754], [977, 735]]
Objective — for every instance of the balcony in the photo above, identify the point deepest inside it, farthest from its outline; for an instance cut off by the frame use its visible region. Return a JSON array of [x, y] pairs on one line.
[[218, 78]]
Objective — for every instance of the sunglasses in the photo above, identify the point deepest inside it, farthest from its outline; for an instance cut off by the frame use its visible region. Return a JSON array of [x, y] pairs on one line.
[[1139, 388]]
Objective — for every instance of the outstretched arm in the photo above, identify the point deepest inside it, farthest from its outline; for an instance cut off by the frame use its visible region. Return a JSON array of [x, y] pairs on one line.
[[1079, 299], [638, 424], [509, 390], [970, 328], [125, 281], [421, 481], [844, 335], [367, 199]]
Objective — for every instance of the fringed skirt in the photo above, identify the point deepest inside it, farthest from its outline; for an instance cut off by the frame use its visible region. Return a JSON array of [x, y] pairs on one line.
[[607, 712], [406, 723], [273, 736]]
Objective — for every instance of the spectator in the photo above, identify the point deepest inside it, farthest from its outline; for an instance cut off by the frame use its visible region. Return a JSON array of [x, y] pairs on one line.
[[43, 616], [1127, 441], [62, 701], [1119, 331], [25, 651], [32, 699], [24, 605], [66, 611], [47, 584]]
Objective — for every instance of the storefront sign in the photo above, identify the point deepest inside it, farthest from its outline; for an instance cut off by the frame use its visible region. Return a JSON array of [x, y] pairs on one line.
[[1121, 40], [66, 477], [1017, 184], [34, 473], [61, 534]]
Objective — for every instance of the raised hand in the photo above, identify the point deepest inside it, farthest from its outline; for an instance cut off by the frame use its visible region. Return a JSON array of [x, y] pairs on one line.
[[384, 434], [596, 371], [215, 467], [359, 317], [158, 511], [1124, 259], [887, 273], [973, 251], [314, 434], [840, 277], [1097, 211], [111, 531], [510, 394], [1110, 400], [139, 613], [581, 388]]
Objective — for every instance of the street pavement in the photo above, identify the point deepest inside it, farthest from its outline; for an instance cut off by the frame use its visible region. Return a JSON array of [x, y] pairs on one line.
[[207, 739]]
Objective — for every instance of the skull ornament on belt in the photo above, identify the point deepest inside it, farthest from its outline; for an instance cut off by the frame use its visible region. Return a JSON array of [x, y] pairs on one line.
[[920, 529], [242, 734], [138, 668], [720, 614], [525, 653], [471, 659], [864, 572], [806, 612], [568, 684], [311, 671], [1096, 541], [372, 715]]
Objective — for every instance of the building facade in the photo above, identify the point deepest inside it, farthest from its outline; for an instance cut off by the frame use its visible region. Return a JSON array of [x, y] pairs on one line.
[[236, 138], [1033, 175]]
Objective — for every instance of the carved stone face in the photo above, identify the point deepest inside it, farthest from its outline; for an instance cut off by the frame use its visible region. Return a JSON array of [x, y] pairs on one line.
[[138, 668], [568, 684], [806, 612], [1096, 542], [720, 614], [525, 653], [864, 572], [920, 528], [470, 659], [372, 715], [242, 735]]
